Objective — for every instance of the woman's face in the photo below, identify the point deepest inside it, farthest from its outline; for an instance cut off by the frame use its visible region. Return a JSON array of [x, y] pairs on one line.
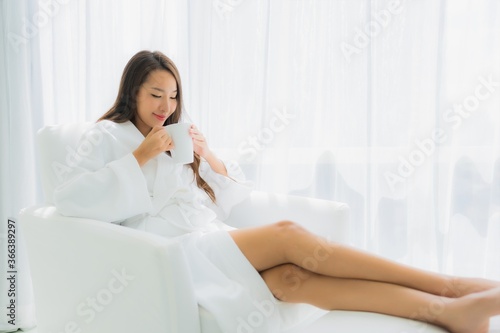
[[156, 100]]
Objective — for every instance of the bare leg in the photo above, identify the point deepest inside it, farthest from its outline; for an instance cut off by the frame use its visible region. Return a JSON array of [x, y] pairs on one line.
[[285, 242], [468, 314]]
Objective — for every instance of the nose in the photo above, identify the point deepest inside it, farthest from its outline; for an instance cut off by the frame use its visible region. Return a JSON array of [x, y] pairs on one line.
[[169, 106]]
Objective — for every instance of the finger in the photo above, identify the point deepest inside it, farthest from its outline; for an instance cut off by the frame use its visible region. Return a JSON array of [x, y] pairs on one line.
[[199, 138], [197, 142], [157, 129], [157, 132], [168, 145], [163, 135], [196, 136], [194, 129], [193, 132]]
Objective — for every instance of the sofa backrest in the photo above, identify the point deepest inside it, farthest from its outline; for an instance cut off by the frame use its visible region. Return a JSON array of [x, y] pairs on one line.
[[57, 148]]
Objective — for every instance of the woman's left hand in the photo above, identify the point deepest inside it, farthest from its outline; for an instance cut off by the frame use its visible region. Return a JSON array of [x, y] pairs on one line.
[[200, 145]]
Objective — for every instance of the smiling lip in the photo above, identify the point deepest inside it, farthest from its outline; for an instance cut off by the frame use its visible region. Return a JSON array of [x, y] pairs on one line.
[[162, 118]]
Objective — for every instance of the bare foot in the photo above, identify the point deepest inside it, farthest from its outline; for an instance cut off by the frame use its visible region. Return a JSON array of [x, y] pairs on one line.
[[471, 313], [458, 286]]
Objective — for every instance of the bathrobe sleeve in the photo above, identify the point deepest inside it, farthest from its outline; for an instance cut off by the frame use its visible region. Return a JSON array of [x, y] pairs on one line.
[[229, 191], [107, 184]]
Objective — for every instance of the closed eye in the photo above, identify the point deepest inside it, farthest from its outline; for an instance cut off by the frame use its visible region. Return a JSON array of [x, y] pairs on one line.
[[155, 96], [173, 97]]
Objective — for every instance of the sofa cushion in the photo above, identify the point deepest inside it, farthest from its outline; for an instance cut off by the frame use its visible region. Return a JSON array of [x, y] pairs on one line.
[[363, 322], [57, 153]]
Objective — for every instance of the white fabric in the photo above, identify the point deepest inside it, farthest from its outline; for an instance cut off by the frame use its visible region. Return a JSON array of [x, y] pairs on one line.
[[363, 322], [159, 190], [56, 163], [92, 276], [61, 258], [162, 198], [269, 84]]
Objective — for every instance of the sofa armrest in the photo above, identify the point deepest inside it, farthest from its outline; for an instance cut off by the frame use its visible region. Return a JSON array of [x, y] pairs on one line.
[[329, 219], [92, 276]]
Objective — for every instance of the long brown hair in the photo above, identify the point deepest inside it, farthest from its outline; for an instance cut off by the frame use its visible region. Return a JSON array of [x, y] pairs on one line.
[[124, 108]]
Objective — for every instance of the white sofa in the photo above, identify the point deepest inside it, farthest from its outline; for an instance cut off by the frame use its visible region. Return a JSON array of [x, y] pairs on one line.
[[91, 276]]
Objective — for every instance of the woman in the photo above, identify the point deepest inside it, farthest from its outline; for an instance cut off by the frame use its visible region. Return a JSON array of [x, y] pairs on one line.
[[131, 179]]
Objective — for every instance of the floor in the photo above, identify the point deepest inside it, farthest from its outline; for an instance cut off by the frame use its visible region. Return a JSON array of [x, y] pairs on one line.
[[325, 326]]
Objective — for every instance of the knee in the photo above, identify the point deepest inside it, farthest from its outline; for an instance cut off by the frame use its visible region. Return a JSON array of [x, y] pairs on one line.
[[287, 229], [285, 281]]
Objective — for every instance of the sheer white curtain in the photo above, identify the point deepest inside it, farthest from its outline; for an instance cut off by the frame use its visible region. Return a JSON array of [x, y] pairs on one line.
[[361, 102], [468, 183], [19, 97], [61, 61], [392, 106]]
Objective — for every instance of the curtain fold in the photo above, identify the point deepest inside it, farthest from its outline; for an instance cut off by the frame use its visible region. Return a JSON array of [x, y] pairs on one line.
[[392, 106], [471, 117], [18, 100]]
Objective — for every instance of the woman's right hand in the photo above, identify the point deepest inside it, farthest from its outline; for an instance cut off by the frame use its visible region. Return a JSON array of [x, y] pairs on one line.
[[157, 141]]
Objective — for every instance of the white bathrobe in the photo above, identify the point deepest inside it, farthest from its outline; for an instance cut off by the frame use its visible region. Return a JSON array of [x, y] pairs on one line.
[[162, 197]]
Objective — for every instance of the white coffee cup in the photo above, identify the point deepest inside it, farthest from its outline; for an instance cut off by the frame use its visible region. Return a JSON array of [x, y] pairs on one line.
[[183, 143]]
